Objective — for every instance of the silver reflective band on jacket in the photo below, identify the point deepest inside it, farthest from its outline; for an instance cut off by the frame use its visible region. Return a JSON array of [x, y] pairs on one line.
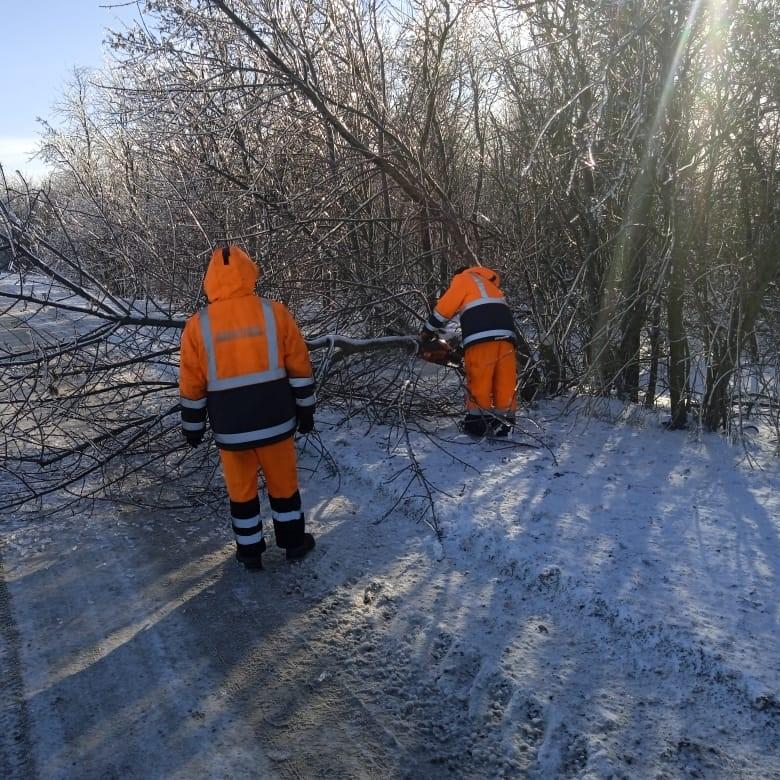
[[482, 302], [484, 298], [489, 334], [480, 284], [252, 436], [483, 294], [275, 369]]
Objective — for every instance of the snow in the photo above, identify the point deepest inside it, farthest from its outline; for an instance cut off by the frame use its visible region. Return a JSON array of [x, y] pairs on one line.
[[657, 552], [602, 602]]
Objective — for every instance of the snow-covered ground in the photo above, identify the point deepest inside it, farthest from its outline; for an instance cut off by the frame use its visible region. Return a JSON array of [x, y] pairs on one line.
[[611, 614], [602, 606]]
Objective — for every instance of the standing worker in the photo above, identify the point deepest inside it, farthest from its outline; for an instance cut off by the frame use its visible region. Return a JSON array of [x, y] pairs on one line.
[[244, 361], [488, 334]]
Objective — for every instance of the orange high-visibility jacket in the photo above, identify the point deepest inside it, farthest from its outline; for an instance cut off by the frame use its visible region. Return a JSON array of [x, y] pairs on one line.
[[484, 314], [243, 359]]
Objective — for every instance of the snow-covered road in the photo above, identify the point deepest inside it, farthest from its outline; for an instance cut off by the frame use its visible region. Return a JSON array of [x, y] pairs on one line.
[[145, 651]]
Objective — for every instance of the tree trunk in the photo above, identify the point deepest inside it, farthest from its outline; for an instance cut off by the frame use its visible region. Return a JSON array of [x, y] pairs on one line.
[[655, 349]]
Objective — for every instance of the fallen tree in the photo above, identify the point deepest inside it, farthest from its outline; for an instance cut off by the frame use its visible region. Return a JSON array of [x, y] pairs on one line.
[[89, 390]]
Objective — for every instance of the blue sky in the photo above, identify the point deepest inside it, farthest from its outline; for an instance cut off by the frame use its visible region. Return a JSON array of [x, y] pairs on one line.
[[41, 42]]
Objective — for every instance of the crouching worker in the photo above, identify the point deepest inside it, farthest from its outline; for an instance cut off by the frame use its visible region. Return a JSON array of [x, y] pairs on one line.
[[488, 334], [244, 361]]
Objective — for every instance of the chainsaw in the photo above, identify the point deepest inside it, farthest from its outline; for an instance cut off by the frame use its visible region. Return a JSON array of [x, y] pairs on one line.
[[441, 352]]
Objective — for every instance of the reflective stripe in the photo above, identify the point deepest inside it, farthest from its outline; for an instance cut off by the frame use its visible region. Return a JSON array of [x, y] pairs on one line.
[[489, 334], [275, 369], [431, 328], [245, 522], [310, 401], [270, 335], [251, 539], [242, 380], [262, 433], [296, 381], [208, 344], [439, 317], [479, 283], [482, 302], [188, 403], [241, 333], [189, 426], [282, 517]]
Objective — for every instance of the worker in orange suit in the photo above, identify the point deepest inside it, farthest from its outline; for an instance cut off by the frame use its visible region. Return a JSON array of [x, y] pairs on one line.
[[488, 334], [246, 365]]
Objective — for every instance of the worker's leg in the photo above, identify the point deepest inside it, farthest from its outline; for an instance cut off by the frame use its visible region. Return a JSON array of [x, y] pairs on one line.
[[479, 361], [240, 472], [504, 381], [281, 478]]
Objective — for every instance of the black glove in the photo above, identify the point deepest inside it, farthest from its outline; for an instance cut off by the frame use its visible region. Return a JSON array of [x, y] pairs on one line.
[[427, 335], [194, 438], [305, 419]]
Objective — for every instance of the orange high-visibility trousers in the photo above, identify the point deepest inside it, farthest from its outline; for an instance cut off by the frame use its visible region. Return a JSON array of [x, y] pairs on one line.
[[491, 376], [278, 463]]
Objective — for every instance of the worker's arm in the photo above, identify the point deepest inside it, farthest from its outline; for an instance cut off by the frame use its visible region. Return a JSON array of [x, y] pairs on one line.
[[192, 382], [448, 306]]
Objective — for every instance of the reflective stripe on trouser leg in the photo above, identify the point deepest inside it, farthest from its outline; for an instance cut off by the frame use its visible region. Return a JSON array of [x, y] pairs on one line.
[[247, 526], [289, 521]]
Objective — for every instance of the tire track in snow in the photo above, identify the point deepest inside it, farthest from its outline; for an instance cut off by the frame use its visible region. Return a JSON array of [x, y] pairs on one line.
[[15, 754]]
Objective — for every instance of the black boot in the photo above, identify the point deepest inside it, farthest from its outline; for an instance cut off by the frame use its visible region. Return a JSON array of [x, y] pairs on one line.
[[251, 555], [475, 425], [296, 553], [502, 428], [251, 562]]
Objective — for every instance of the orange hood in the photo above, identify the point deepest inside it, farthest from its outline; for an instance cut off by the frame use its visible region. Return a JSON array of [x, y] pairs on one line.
[[485, 273], [232, 279]]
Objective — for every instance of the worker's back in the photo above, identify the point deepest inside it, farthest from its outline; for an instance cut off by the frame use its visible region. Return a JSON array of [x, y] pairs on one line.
[[241, 352]]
